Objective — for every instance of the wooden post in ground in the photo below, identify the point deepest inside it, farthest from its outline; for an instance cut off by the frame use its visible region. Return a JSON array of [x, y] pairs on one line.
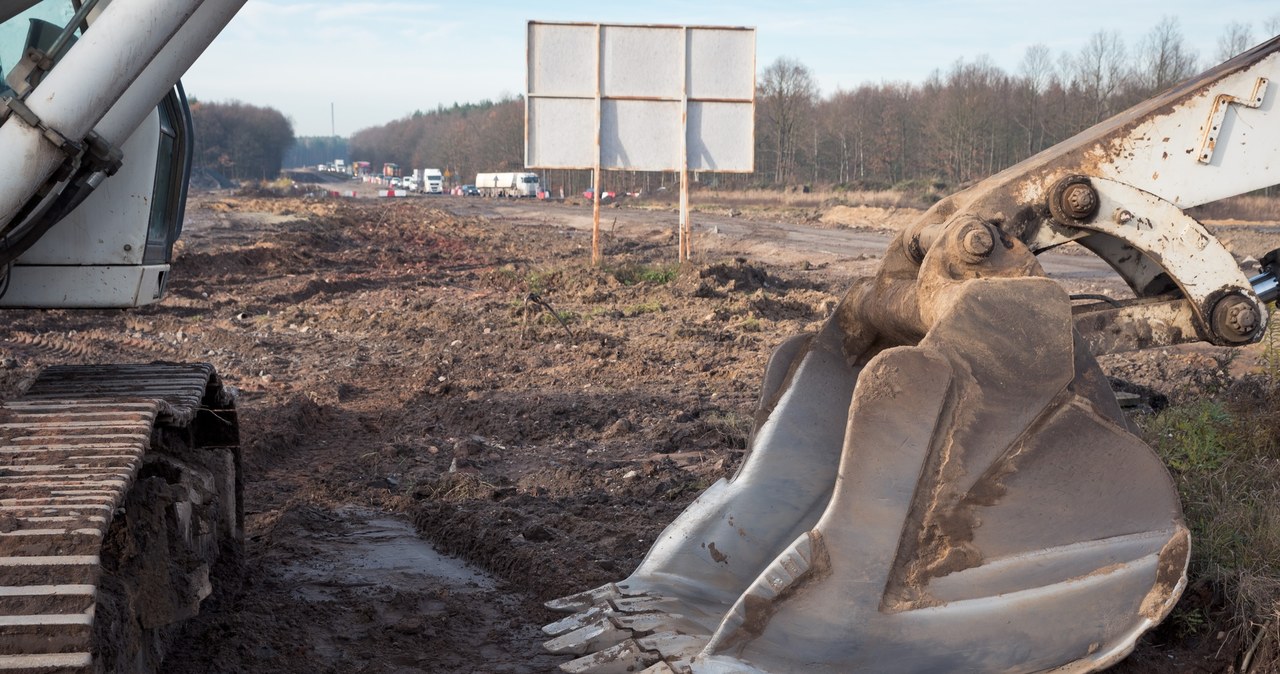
[[595, 176], [595, 216]]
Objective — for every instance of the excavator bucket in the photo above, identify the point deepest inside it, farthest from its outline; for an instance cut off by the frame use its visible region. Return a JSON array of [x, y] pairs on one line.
[[970, 500]]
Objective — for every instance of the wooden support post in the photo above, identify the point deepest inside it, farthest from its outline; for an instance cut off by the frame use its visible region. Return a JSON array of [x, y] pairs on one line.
[[595, 176]]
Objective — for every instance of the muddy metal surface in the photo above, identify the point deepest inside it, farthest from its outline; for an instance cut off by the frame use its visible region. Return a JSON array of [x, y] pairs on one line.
[[428, 453]]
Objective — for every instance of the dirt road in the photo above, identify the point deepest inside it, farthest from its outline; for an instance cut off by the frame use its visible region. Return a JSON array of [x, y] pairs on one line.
[[402, 396], [853, 252]]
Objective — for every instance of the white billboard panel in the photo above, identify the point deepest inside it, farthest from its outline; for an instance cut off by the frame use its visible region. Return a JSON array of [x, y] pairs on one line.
[[708, 50], [716, 133], [640, 97], [562, 60], [626, 120], [641, 62], [561, 131]]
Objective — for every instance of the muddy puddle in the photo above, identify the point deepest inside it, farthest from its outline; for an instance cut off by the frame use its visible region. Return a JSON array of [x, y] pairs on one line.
[[366, 551]]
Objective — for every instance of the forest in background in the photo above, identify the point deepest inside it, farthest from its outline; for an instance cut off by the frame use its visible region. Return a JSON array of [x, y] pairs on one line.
[[961, 124], [240, 141]]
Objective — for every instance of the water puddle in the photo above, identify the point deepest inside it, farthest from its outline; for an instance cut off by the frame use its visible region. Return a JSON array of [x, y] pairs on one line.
[[364, 548]]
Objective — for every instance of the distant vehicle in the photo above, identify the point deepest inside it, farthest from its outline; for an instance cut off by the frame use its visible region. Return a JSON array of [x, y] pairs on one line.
[[470, 191], [508, 184], [432, 181], [396, 182]]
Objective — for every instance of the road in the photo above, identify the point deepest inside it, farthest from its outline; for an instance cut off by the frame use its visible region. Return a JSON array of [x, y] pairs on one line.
[[851, 251]]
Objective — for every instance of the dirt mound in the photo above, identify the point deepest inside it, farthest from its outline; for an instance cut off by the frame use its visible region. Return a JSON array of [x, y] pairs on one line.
[[870, 217], [739, 276]]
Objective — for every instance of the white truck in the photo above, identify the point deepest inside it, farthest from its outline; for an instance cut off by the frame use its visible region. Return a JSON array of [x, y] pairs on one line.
[[428, 181], [432, 181], [508, 184]]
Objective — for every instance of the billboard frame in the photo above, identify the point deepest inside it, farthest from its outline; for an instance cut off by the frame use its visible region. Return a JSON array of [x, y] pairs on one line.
[[612, 85]]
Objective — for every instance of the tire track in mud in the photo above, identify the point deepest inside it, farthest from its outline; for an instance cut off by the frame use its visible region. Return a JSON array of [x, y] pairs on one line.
[[80, 346]]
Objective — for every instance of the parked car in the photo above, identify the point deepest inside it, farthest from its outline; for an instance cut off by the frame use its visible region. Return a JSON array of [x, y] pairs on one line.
[[470, 191]]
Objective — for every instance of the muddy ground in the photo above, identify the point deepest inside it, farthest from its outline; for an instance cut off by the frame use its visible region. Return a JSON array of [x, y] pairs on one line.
[[407, 390]]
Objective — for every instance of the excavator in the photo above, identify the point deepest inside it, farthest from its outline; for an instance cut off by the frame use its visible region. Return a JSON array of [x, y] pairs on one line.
[[119, 484], [940, 478]]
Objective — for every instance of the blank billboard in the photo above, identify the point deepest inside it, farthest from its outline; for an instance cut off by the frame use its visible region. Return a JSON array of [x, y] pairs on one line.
[[640, 97]]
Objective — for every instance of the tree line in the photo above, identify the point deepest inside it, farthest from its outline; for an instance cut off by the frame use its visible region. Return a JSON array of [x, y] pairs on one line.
[[971, 120], [961, 124], [461, 140], [240, 141]]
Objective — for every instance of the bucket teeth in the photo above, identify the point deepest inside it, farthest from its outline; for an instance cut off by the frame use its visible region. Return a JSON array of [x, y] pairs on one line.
[[595, 636], [576, 621], [584, 600], [603, 626], [659, 653], [623, 658]]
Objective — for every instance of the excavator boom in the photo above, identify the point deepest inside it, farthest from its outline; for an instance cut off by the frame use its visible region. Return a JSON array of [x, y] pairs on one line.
[[119, 484]]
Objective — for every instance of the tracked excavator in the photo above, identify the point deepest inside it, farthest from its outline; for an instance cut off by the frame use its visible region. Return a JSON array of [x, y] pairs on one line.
[[940, 478], [119, 484]]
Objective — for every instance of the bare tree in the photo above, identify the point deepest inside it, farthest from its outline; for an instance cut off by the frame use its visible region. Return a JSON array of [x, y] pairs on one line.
[[1235, 39], [1036, 72], [786, 96], [1099, 70], [1272, 26], [1165, 58]]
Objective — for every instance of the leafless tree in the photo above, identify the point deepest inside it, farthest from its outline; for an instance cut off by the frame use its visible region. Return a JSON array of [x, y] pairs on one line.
[[1036, 72], [1165, 58], [785, 99], [1099, 69], [242, 141], [1272, 26], [1235, 39]]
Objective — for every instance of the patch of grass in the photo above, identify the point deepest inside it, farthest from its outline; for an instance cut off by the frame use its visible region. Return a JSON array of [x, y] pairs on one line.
[[456, 487], [539, 281], [1188, 622], [1195, 436], [1271, 351], [750, 325], [566, 316], [642, 308], [632, 274], [733, 429], [1225, 459]]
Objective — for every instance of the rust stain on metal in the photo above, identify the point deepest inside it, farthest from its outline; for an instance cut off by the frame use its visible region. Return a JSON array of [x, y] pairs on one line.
[[720, 557], [1169, 574], [758, 610]]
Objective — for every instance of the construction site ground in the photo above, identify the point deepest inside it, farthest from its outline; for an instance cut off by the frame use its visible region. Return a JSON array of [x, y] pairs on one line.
[[450, 416]]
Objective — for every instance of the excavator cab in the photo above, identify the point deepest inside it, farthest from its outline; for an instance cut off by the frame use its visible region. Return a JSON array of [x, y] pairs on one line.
[[941, 478], [102, 235]]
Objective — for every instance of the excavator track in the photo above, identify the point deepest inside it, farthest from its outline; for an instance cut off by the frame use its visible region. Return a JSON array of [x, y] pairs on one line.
[[118, 493]]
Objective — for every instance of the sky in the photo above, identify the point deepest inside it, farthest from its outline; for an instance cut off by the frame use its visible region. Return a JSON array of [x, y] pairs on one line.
[[338, 66]]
